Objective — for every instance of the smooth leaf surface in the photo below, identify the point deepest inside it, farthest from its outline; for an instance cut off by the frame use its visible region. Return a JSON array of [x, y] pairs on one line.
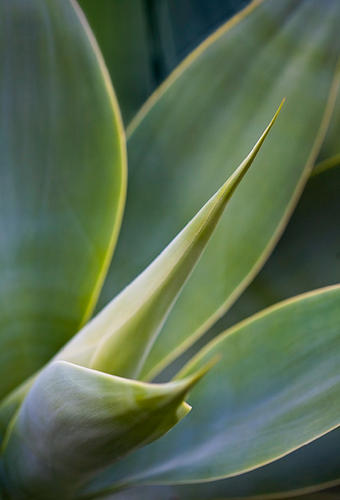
[[305, 258], [264, 399], [303, 470], [118, 340], [75, 421], [179, 143], [62, 162]]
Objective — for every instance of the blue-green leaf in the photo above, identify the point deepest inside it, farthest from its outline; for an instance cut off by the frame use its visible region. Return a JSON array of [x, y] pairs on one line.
[[264, 399], [76, 421], [118, 340], [62, 165], [178, 144]]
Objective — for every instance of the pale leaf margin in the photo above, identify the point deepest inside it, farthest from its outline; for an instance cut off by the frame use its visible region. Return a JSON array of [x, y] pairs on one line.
[[308, 171]]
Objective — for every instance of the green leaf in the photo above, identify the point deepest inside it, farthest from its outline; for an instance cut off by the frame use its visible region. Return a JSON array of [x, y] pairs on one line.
[[63, 180], [76, 421], [264, 399], [118, 340], [200, 116], [305, 258]]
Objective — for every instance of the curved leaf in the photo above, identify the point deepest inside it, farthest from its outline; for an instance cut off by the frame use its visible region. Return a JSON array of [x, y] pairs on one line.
[[200, 116], [118, 339], [63, 180], [306, 257], [306, 469], [264, 399], [75, 421]]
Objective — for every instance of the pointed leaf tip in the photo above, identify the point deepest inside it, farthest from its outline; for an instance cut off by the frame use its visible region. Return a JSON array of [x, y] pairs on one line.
[[231, 184], [119, 339]]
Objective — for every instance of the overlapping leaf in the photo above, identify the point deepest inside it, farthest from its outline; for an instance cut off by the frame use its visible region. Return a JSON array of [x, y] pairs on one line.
[[62, 162], [179, 142], [264, 399], [118, 340], [76, 421], [305, 258]]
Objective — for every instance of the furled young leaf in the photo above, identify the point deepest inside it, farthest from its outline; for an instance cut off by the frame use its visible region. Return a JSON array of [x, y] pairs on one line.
[[209, 110], [264, 399], [62, 164], [76, 421], [118, 340]]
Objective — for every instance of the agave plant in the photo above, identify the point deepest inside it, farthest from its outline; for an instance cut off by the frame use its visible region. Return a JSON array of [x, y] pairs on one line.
[[98, 409]]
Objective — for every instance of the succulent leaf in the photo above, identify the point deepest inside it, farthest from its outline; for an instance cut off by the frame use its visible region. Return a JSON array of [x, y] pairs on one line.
[[267, 396], [305, 258], [208, 110], [62, 165], [76, 421], [118, 340]]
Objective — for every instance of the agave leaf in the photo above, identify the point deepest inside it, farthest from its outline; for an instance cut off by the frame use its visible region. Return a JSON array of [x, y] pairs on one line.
[[76, 421], [308, 468], [264, 399], [199, 117], [306, 257], [62, 167], [119, 338]]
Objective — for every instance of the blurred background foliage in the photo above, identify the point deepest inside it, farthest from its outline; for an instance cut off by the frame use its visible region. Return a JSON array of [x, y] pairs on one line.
[[144, 40]]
